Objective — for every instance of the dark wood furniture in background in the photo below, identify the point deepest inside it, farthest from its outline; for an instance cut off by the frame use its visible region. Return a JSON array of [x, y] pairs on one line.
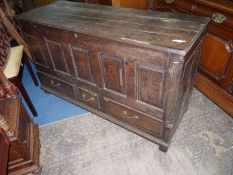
[[215, 73], [132, 67], [103, 2], [137, 4], [24, 142], [4, 147]]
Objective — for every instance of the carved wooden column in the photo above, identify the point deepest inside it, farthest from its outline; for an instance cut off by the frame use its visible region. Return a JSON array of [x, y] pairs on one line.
[[11, 91], [5, 126]]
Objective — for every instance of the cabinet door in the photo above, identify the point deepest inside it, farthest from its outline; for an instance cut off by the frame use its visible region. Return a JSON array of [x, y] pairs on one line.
[[113, 70], [215, 57]]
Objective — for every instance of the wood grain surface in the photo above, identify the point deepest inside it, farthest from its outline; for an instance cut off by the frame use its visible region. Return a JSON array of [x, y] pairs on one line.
[[175, 33]]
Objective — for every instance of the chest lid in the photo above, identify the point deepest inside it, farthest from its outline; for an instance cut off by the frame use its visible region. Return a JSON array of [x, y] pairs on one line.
[[174, 33]]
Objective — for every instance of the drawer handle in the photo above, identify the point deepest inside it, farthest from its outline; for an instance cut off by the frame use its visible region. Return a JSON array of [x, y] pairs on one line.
[[85, 98], [121, 78], [230, 88], [169, 1], [105, 99], [130, 117], [218, 18], [54, 84], [76, 35]]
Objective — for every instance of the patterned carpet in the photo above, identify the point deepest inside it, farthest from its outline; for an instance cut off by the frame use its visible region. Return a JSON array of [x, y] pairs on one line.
[[90, 145]]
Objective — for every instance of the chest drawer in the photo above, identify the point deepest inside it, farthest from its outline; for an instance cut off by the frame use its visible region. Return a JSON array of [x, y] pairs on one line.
[[132, 117], [88, 97], [57, 85], [176, 5], [220, 13]]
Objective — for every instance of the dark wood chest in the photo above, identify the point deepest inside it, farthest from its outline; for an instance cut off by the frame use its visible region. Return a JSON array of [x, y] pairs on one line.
[[132, 67], [215, 73]]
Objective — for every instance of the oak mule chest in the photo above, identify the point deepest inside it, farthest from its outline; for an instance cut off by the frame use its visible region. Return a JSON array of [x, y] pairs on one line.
[[134, 68]]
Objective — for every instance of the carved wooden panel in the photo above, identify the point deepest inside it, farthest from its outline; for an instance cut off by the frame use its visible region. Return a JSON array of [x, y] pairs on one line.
[[215, 47], [36, 50], [82, 61], [57, 55], [113, 73], [151, 85]]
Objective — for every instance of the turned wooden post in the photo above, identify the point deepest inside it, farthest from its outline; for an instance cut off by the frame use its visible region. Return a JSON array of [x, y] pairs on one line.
[[9, 11], [4, 125], [8, 86]]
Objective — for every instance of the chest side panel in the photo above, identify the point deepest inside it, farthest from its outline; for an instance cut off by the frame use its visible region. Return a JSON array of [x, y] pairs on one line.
[[151, 85]]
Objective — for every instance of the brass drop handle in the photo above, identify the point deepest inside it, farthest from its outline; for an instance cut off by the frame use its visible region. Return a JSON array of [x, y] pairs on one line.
[[54, 84], [105, 99], [169, 1], [76, 35], [130, 117], [218, 18], [85, 98], [121, 78], [230, 88]]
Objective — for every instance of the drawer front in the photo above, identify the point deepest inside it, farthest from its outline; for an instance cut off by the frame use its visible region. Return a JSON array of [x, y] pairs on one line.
[[57, 85], [132, 117], [88, 97], [217, 12], [176, 5]]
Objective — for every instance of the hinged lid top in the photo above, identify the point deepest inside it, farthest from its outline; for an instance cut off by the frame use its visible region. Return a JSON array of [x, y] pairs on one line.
[[169, 32]]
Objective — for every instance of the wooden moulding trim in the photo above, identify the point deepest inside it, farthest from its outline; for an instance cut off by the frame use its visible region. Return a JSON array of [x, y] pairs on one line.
[[4, 125], [214, 93]]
